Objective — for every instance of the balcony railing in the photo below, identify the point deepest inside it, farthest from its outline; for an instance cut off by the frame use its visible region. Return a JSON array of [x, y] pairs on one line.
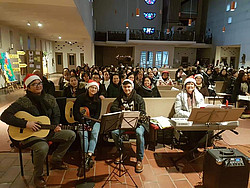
[[140, 35]]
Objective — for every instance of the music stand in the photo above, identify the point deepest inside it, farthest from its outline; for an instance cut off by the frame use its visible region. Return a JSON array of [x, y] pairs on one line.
[[120, 120]]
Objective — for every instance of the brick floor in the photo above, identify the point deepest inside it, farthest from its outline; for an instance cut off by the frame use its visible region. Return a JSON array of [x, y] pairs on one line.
[[159, 170]]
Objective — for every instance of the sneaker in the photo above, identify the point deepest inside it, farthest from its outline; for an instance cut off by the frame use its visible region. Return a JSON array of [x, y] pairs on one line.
[[139, 167], [58, 165], [39, 182]]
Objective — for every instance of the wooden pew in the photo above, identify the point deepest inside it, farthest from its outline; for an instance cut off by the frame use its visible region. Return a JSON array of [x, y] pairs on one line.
[[169, 87], [169, 93]]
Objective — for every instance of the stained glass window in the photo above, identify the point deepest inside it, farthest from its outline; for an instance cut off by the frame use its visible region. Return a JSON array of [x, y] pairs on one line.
[[149, 15], [149, 30], [150, 2]]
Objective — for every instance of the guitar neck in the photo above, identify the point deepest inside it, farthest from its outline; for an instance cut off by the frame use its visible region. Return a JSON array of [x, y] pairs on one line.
[[52, 127]]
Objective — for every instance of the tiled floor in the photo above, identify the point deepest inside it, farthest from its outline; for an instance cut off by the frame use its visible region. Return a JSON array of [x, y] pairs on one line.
[[159, 170]]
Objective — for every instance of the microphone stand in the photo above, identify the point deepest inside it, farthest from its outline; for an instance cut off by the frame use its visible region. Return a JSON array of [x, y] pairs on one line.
[[83, 184]]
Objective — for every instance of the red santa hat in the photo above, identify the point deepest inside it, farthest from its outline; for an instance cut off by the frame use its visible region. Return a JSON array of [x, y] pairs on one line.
[[92, 83], [190, 79], [30, 78]]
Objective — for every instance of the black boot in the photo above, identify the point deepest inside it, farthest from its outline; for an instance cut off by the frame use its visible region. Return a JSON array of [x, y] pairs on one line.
[[89, 163]]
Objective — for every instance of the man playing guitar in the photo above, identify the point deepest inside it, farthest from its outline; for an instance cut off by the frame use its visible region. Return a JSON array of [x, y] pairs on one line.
[[38, 103]]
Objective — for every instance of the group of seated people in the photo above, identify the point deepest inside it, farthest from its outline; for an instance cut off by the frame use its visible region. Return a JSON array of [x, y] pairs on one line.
[[89, 86]]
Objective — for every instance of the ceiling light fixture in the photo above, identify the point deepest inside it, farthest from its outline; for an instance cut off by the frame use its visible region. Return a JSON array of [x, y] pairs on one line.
[[28, 24], [60, 37], [39, 24]]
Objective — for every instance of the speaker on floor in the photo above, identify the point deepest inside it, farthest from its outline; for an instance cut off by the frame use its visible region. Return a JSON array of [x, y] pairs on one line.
[[225, 168]]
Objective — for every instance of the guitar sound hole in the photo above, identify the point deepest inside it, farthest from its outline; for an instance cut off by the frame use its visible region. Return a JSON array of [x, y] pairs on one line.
[[21, 130]]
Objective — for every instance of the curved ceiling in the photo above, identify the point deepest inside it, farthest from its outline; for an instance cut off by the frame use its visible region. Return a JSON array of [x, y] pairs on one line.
[[59, 18]]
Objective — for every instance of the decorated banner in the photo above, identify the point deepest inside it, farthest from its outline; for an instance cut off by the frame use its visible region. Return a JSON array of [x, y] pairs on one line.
[[6, 67]]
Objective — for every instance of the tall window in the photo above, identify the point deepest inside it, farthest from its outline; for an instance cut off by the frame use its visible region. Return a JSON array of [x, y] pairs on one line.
[[29, 42], [161, 59], [21, 41], [11, 38], [146, 59]]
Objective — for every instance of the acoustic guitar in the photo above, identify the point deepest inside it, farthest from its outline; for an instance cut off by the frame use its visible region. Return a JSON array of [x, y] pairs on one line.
[[19, 134], [83, 110]]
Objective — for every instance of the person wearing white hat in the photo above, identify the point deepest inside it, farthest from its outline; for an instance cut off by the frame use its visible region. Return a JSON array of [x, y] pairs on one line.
[[38, 103], [131, 101], [189, 98], [92, 103]]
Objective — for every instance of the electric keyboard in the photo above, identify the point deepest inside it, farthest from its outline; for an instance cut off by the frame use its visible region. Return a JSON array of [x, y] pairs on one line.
[[181, 124]]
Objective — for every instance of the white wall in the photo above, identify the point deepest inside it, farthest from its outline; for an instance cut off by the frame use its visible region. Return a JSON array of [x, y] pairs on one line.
[[223, 51], [180, 52], [5, 38], [154, 49], [237, 33], [87, 49]]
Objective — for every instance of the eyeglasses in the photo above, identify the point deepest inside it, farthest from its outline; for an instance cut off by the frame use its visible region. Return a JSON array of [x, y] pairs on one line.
[[36, 84]]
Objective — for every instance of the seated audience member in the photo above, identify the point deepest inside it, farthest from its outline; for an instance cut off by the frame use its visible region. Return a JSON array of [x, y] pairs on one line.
[[90, 100], [222, 76], [73, 72], [241, 87], [188, 99], [148, 89], [78, 72], [64, 79], [85, 78], [248, 76], [179, 75], [131, 76], [106, 79], [48, 85], [157, 74], [202, 88], [74, 88], [165, 79], [215, 73], [152, 78], [130, 100], [138, 79], [208, 77], [102, 93], [38, 103], [231, 82], [114, 87]]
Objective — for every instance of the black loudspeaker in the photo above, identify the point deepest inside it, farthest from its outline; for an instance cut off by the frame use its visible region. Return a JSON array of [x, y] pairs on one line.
[[225, 168]]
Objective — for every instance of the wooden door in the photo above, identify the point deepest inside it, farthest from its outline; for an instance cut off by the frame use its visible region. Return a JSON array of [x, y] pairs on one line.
[[59, 62], [82, 59], [71, 61]]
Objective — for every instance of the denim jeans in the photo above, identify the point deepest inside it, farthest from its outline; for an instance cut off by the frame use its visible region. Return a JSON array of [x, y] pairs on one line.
[[139, 141], [90, 144]]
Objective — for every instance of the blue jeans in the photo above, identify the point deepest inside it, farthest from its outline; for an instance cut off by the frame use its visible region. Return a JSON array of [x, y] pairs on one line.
[[139, 141], [90, 144]]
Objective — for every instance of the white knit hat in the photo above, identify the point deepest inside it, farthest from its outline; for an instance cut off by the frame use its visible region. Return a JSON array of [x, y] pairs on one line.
[[128, 80], [92, 83], [30, 78], [198, 75], [189, 79]]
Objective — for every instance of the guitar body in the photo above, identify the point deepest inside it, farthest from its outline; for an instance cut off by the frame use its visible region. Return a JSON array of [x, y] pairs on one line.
[[20, 134], [69, 112]]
